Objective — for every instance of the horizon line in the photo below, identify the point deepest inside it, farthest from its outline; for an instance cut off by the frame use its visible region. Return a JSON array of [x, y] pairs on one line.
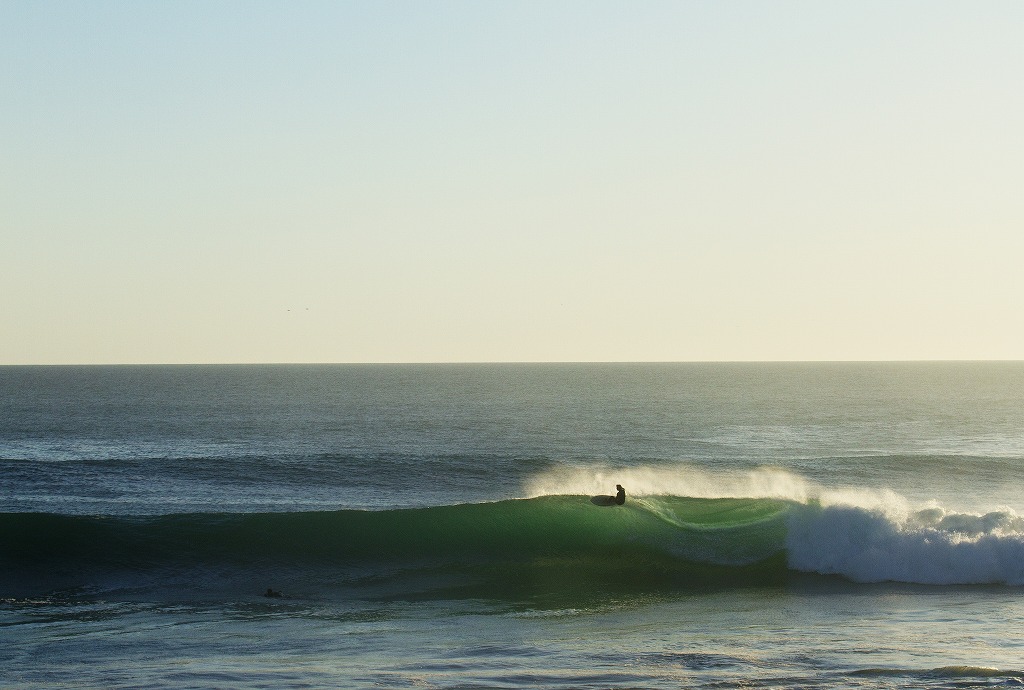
[[508, 362]]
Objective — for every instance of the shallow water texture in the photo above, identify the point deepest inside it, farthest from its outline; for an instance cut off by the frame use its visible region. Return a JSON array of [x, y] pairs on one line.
[[837, 635]]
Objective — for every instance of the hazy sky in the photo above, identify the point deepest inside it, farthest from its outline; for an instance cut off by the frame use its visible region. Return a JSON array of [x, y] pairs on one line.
[[521, 181]]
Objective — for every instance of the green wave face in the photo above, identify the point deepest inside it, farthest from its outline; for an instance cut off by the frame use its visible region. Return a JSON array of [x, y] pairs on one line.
[[547, 546], [559, 547], [658, 527]]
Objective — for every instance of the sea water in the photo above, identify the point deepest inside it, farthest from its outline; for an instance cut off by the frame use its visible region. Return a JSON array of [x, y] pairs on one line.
[[786, 525]]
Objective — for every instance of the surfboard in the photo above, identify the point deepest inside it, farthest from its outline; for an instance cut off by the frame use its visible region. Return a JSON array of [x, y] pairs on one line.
[[602, 500]]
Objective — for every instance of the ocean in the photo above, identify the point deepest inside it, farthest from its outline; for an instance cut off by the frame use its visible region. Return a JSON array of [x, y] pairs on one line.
[[786, 525]]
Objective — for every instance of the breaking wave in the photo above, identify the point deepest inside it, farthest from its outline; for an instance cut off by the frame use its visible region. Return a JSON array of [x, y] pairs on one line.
[[531, 546]]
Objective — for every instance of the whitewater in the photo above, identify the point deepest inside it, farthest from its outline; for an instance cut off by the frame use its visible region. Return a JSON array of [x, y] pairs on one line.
[[786, 525]]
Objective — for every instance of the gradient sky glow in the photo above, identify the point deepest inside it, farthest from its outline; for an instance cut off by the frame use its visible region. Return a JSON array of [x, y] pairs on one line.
[[510, 181]]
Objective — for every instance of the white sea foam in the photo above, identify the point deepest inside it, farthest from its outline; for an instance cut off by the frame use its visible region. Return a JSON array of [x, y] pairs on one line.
[[929, 546]]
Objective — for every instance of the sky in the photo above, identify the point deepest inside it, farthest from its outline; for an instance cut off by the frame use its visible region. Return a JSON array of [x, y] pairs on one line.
[[438, 181]]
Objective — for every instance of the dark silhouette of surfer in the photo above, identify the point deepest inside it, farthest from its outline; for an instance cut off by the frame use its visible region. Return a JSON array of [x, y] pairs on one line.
[[271, 593], [617, 500]]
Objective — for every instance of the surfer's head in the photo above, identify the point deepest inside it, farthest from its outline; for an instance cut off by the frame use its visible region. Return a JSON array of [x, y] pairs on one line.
[[618, 487]]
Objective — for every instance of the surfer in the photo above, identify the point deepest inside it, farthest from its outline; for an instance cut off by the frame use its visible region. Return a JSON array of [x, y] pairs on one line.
[[605, 500], [271, 593]]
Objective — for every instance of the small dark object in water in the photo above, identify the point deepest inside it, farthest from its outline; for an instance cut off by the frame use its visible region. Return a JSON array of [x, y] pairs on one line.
[[271, 593]]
